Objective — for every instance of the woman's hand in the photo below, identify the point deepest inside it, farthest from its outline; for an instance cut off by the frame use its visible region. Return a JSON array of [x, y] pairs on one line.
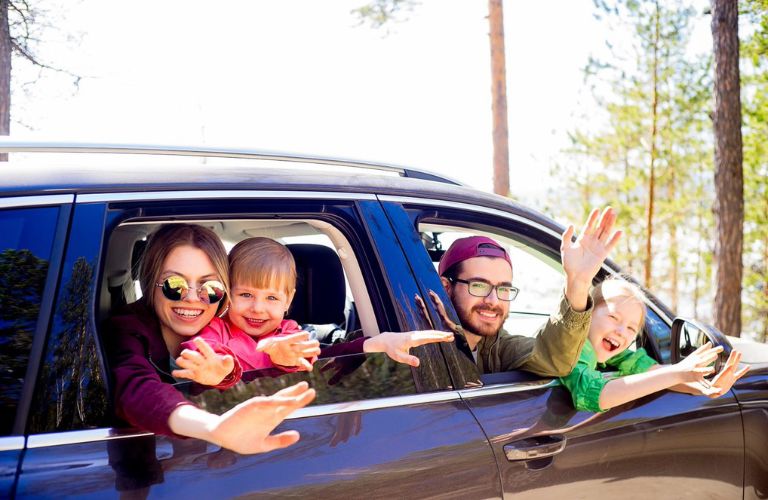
[[398, 344], [245, 428], [295, 349], [203, 366]]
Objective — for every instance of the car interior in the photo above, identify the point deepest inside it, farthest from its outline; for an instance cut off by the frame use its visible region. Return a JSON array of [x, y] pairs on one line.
[[331, 295]]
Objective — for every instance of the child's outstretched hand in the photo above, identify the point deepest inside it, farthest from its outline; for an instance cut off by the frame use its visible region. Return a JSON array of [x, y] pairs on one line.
[[699, 363], [295, 349], [203, 366], [724, 380]]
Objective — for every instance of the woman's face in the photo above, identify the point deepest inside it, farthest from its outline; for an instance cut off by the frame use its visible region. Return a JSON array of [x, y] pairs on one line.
[[614, 326], [185, 317], [258, 311]]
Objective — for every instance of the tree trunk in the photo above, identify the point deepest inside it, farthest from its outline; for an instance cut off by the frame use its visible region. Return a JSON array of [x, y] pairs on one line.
[[5, 74], [729, 176], [499, 99], [654, 153], [674, 261]]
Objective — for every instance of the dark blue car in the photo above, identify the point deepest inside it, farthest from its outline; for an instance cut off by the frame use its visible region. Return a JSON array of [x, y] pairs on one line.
[[366, 239]]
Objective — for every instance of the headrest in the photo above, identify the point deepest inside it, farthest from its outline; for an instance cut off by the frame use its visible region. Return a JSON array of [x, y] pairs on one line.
[[320, 288]]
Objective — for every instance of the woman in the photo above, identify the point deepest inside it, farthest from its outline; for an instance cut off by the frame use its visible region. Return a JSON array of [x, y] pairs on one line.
[[184, 282]]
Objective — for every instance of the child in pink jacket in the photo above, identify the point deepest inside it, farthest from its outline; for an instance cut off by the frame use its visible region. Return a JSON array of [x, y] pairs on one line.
[[254, 333]]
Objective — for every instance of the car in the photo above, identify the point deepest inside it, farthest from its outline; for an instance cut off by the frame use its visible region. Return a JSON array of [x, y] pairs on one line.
[[366, 238]]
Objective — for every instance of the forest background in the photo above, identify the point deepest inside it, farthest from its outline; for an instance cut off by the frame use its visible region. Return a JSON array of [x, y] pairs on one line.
[[327, 78]]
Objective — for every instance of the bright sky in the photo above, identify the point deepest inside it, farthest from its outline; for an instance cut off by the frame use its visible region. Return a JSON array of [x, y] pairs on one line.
[[299, 75]]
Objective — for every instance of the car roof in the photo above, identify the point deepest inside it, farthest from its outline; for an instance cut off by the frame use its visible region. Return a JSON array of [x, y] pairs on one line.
[[95, 168]]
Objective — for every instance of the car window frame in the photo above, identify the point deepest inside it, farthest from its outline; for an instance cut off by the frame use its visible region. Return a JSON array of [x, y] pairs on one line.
[[65, 203], [438, 211]]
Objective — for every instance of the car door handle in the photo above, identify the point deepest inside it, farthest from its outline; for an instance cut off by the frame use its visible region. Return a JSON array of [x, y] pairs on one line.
[[535, 447]]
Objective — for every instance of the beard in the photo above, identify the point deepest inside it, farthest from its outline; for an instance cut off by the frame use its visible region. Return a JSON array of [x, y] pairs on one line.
[[472, 325]]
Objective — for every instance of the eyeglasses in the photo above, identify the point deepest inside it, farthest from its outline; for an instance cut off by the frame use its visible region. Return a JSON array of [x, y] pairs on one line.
[[176, 288], [477, 288]]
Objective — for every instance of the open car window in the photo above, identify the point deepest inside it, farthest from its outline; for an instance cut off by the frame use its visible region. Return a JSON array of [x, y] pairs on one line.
[[332, 302], [538, 276]]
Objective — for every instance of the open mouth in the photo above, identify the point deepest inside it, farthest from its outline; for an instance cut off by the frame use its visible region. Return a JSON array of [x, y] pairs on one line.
[[610, 344]]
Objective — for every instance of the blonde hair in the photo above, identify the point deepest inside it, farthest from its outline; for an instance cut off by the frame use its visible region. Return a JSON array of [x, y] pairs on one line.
[[620, 287], [261, 263], [171, 236]]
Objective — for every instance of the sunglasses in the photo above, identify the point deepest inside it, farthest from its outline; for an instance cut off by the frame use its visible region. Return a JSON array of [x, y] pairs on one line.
[[176, 288]]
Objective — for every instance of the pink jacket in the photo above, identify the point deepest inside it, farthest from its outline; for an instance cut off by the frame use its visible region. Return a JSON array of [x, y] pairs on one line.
[[226, 338]]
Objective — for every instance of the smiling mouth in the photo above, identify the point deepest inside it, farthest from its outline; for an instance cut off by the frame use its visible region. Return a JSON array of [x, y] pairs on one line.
[[255, 322], [187, 313]]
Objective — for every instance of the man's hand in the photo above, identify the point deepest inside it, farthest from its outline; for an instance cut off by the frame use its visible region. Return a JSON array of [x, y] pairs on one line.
[[291, 350], [582, 258], [203, 366], [398, 344]]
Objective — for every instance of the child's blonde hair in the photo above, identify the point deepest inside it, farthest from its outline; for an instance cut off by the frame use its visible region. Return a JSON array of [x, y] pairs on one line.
[[617, 286], [262, 263]]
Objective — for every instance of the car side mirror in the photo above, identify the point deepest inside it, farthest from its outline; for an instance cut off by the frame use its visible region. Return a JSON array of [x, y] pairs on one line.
[[689, 334]]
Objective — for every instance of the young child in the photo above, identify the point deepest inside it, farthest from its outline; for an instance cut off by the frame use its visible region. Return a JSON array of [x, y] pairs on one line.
[[254, 333], [619, 315]]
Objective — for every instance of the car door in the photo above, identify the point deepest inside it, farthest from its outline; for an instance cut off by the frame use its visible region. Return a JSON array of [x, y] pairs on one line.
[[383, 430], [666, 445], [32, 232]]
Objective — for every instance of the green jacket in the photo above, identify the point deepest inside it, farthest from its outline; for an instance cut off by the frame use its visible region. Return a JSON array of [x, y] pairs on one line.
[[553, 352], [586, 383]]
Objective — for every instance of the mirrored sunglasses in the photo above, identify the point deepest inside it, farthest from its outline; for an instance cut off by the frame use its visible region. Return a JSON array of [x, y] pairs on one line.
[[176, 288]]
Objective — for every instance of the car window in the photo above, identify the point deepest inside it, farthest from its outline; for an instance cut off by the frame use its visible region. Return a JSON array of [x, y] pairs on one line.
[[538, 276], [26, 240], [71, 389], [337, 308]]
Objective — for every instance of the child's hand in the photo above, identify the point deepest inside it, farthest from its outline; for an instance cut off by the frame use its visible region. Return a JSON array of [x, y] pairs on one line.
[[203, 366], [698, 364], [397, 344], [291, 350], [724, 380]]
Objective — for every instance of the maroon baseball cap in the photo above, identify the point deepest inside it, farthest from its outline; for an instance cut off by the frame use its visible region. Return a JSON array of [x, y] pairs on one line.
[[469, 247]]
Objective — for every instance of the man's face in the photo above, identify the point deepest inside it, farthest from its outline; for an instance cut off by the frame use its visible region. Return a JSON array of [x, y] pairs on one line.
[[481, 315]]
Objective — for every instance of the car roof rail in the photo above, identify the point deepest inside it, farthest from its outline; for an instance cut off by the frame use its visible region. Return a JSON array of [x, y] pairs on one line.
[[10, 145]]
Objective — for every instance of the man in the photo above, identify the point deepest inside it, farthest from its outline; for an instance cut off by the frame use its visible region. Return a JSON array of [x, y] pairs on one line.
[[476, 272]]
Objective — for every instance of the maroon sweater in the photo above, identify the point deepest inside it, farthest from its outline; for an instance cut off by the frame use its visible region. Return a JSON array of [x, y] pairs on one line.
[[144, 396]]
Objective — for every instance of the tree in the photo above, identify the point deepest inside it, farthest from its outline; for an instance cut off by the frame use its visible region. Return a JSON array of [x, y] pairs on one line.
[[379, 12], [646, 151], [499, 99], [729, 177], [21, 29], [754, 81]]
